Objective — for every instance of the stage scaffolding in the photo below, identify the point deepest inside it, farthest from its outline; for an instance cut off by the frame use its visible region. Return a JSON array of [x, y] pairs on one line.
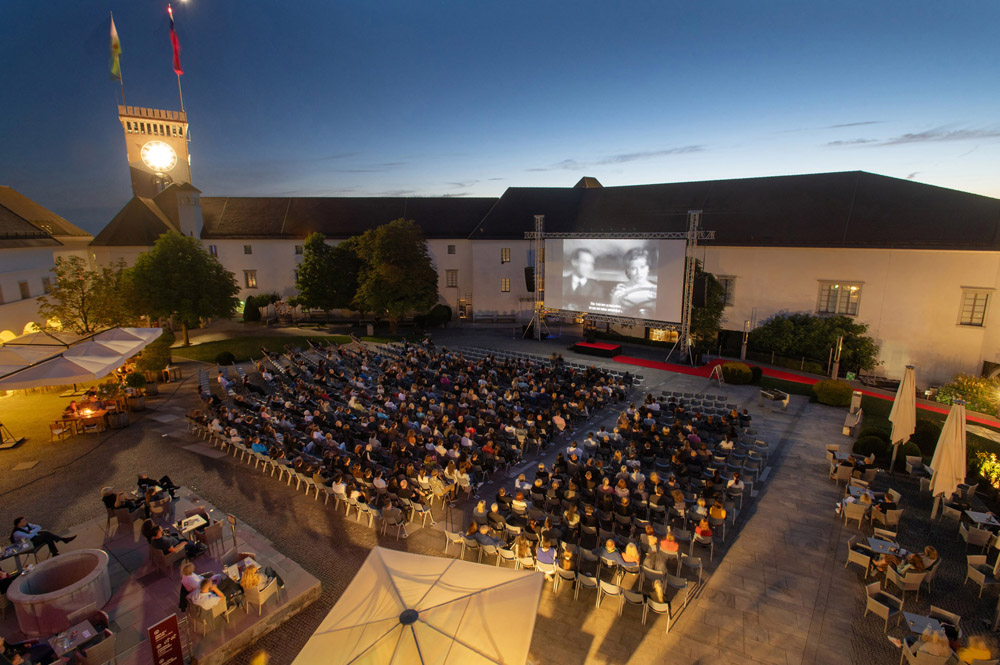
[[693, 234]]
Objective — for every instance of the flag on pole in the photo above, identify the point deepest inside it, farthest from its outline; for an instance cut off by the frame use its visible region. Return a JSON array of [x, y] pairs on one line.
[[116, 50], [176, 44]]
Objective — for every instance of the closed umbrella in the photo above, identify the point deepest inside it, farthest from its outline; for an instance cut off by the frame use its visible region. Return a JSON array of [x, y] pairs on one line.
[[949, 460], [413, 609], [904, 413]]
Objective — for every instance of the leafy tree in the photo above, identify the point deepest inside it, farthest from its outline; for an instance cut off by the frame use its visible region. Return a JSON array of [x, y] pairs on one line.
[[313, 276], [87, 301], [802, 334], [397, 275], [178, 278], [706, 322]]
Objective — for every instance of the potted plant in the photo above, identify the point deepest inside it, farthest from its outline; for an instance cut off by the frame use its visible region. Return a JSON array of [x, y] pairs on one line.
[[136, 382], [110, 392]]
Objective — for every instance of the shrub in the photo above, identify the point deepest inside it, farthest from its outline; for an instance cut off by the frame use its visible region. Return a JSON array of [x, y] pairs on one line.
[[225, 358], [872, 445], [755, 374], [833, 392], [875, 429], [438, 316], [908, 449], [980, 394], [736, 373], [251, 310], [135, 380], [925, 436]]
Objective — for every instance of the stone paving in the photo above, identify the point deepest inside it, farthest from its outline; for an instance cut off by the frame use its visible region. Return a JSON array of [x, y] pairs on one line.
[[776, 593]]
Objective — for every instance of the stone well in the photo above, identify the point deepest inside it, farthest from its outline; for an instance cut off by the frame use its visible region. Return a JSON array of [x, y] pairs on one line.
[[49, 598]]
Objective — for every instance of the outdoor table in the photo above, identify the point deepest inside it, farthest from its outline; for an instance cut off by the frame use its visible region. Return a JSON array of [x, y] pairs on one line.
[[16, 550], [856, 492], [982, 519], [882, 546], [78, 421], [919, 623], [189, 524], [72, 637]]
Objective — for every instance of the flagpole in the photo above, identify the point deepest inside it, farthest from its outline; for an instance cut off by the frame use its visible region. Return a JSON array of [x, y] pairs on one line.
[[179, 93]]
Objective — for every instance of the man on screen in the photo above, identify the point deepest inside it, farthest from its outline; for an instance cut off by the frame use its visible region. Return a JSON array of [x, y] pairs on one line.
[[637, 295], [579, 287]]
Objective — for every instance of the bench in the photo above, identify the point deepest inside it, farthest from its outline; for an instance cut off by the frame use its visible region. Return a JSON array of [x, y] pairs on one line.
[[851, 422], [774, 395]]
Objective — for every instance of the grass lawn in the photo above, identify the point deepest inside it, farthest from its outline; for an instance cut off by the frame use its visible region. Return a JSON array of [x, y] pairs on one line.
[[244, 348], [790, 387]]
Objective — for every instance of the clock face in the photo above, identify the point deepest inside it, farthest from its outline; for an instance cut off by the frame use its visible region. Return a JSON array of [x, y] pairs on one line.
[[159, 156]]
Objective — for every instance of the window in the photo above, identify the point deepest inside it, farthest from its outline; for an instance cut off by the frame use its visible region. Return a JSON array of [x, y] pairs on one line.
[[298, 250], [451, 249], [504, 285], [974, 303], [839, 298], [729, 286], [248, 249], [451, 278], [213, 250], [505, 255], [250, 278], [25, 291], [46, 285]]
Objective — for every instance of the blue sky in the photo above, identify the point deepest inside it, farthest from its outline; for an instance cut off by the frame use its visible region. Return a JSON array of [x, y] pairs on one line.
[[325, 97]]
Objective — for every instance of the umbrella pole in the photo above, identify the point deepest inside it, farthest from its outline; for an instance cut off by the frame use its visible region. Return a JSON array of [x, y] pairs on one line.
[[937, 507], [892, 462]]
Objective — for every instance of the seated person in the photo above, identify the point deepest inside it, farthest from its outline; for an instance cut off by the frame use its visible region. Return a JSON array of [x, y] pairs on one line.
[[191, 581], [546, 554], [28, 652], [204, 597], [71, 411], [254, 577], [23, 530], [169, 543], [717, 511], [144, 482], [113, 500], [484, 537], [976, 650], [610, 553]]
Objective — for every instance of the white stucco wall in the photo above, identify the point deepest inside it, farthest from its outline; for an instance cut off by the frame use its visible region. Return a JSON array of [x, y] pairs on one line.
[[27, 264], [488, 300], [910, 299]]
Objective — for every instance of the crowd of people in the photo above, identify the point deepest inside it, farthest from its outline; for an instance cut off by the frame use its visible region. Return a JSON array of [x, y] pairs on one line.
[[393, 427], [633, 496]]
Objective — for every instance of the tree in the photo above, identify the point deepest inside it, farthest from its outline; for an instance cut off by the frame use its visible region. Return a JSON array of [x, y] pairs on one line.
[[178, 278], [87, 301], [706, 322], [397, 275], [802, 334], [327, 278]]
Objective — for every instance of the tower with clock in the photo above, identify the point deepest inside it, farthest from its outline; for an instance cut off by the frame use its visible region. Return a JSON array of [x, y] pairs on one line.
[[157, 147]]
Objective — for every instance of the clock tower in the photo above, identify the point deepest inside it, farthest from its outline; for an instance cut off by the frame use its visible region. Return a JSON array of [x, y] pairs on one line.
[[157, 146]]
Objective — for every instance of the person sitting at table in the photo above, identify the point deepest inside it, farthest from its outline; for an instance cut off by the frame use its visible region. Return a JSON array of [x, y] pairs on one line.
[[71, 411], [191, 581], [145, 481], [169, 543], [255, 578], [23, 530], [977, 649], [929, 556], [204, 597], [865, 498], [6, 579], [26, 653], [934, 643], [113, 500]]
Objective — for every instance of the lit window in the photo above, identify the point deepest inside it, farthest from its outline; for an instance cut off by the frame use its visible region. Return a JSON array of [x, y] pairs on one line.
[[451, 249], [298, 250], [839, 298], [974, 304], [729, 287], [25, 291], [504, 285], [250, 278], [46, 285], [451, 278], [213, 250], [505, 255], [248, 249]]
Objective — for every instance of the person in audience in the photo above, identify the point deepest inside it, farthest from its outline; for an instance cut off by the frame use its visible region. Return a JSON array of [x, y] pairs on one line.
[[977, 649], [703, 529], [736, 483], [610, 554], [700, 509], [567, 560], [23, 530], [546, 554], [521, 547], [717, 511], [631, 555], [669, 543], [479, 512]]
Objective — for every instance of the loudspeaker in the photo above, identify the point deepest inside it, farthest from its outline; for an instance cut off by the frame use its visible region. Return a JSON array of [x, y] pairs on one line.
[[529, 279], [700, 294]]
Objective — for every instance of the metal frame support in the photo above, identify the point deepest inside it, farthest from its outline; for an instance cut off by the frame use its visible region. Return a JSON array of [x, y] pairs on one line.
[[691, 260]]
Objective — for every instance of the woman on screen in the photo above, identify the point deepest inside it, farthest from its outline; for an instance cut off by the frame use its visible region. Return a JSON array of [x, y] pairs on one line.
[[637, 295]]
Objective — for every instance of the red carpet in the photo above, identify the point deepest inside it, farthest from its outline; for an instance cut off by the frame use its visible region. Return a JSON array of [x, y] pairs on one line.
[[706, 370], [604, 346]]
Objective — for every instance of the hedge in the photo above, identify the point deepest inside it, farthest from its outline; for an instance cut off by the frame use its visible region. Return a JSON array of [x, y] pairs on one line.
[[755, 374], [875, 429], [736, 373], [225, 358], [833, 392], [925, 436], [872, 445]]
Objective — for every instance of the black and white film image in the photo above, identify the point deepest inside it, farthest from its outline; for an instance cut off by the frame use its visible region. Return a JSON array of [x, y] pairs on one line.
[[612, 276]]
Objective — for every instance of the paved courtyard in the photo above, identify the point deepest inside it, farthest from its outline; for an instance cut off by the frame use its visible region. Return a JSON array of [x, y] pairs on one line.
[[777, 591]]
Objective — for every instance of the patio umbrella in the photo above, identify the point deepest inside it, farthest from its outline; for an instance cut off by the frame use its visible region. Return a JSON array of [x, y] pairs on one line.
[[904, 413], [415, 609], [57, 371], [949, 456]]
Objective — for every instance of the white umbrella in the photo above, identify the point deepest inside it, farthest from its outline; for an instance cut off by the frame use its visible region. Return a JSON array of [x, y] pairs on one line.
[[57, 372], [904, 413], [949, 460], [414, 609]]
